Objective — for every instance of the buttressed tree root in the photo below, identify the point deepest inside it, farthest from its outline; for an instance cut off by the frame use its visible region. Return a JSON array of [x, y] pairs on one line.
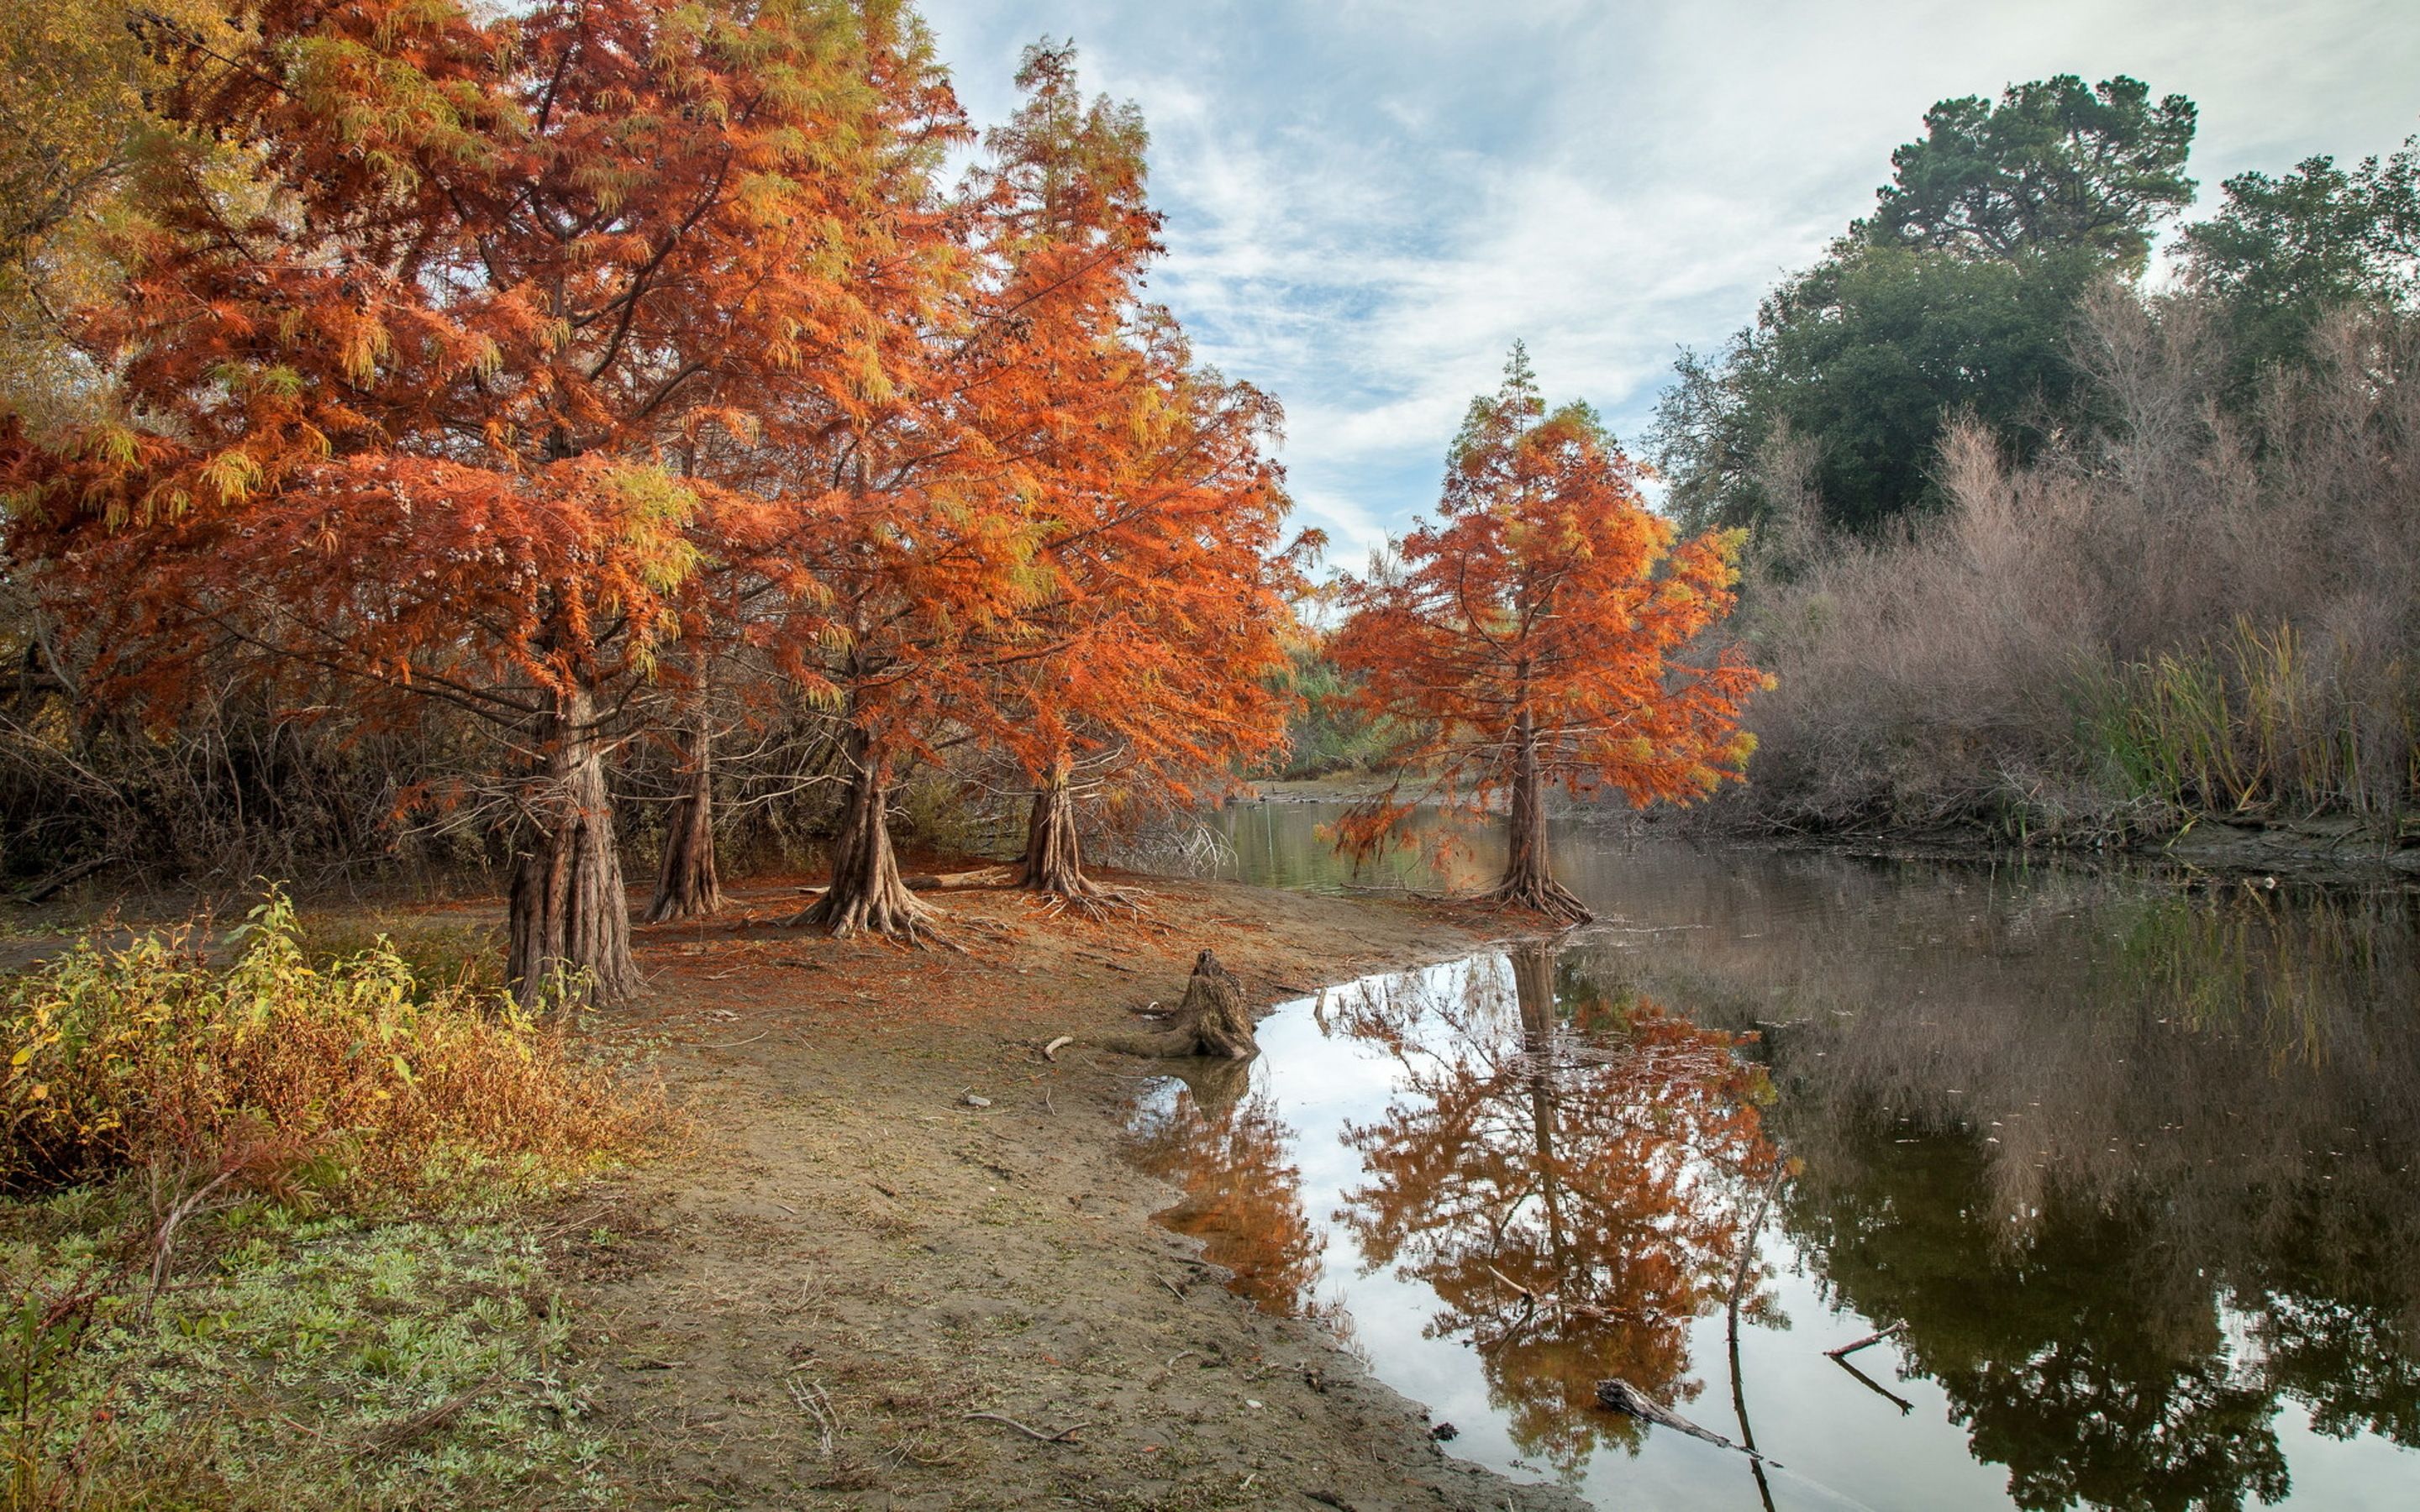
[[1053, 867]]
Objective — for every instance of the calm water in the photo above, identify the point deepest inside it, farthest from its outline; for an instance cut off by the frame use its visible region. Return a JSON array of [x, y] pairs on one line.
[[2134, 1164]]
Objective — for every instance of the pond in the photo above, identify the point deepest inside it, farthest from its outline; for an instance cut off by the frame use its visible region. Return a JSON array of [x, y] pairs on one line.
[[2130, 1165]]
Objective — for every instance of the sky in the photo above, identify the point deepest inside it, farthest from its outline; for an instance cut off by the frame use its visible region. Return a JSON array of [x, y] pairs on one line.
[[1368, 201]]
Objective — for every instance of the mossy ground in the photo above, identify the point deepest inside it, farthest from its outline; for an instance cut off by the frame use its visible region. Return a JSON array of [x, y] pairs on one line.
[[328, 1362]]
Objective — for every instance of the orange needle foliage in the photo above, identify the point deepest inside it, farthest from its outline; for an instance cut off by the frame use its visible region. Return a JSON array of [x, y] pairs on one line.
[[408, 406], [1159, 631], [1536, 633], [1060, 544]]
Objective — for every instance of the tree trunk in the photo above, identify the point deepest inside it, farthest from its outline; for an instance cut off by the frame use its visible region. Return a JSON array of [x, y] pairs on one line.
[[688, 886], [1054, 856], [867, 894], [570, 917], [1528, 882]]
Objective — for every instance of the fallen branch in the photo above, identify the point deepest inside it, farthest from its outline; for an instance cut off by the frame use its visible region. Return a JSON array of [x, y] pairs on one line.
[[1066, 1435], [1509, 1282], [397, 1435], [816, 1405], [1875, 1337], [1050, 1051], [982, 877], [1621, 1396]]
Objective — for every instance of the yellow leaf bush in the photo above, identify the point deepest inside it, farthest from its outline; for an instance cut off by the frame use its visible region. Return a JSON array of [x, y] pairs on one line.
[[121, 1058]]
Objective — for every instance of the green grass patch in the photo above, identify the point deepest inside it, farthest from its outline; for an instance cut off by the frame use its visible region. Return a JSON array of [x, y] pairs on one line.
[[259, 1248], [323, 1362]]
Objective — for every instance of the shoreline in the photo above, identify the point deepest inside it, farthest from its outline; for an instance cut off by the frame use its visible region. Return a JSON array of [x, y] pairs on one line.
[[805, 1309], [2326, 852]]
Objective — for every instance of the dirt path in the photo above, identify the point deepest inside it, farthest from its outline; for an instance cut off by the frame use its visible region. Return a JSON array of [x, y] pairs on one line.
[[803, 1311]]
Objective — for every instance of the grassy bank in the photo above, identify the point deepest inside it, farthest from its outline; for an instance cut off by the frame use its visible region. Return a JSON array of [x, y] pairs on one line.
[[269, 1237]]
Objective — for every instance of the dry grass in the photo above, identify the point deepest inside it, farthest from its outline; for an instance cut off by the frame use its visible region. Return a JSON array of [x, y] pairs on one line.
[[2188, 614], [149, 1056]]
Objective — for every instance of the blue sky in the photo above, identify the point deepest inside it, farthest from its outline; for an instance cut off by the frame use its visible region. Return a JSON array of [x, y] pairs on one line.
[[1369, 200]]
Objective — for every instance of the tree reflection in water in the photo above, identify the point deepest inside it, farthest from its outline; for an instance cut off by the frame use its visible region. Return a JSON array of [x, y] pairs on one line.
[[1222, 1142], [1570, 1173], [2136, 1171]]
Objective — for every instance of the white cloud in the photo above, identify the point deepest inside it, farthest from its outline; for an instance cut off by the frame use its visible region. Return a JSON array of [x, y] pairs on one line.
[[1369, 200]]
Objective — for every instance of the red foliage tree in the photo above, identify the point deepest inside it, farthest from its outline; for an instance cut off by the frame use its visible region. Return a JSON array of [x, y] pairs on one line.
[[1537, 633], [406, 406], [1159, 631], [1064, 544]]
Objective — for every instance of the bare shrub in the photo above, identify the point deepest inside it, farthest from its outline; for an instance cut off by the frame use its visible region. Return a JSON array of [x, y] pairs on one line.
[[2183, 614]]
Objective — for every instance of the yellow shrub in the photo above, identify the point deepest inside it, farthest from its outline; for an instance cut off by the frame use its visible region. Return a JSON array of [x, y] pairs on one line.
[[126, 1057]]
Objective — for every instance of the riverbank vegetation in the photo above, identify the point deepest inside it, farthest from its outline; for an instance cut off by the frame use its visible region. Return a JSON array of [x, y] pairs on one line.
[[2050, 543]]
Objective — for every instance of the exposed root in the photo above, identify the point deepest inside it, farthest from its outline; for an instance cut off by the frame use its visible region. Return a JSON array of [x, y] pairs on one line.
[[867, 895], [899, 917], [1090, 900], [1053, 866], [1539, 895]]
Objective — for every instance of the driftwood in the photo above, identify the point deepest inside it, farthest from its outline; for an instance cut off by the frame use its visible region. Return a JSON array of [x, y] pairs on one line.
[[1875, 1337], [1066, 1435], [1621, 1396], [982, 877], [1904, 1406], [1213, 1021]]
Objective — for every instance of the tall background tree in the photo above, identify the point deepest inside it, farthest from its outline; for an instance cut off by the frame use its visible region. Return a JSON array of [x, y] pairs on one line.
[[2054, 166], [1959, 296], [2283, 253], [1545, 631]]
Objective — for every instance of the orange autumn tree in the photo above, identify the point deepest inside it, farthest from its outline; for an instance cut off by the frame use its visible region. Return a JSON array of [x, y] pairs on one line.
[[1540, 631], [1171, 597], [1055, 541], [1157, 633], [1158, 499], [405, 409]]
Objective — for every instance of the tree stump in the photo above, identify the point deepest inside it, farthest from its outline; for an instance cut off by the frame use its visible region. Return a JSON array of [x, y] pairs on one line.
[[1212, 1021]]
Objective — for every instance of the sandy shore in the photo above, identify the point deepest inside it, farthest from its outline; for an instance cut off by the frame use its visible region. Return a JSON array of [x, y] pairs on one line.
[[804, 1308]]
